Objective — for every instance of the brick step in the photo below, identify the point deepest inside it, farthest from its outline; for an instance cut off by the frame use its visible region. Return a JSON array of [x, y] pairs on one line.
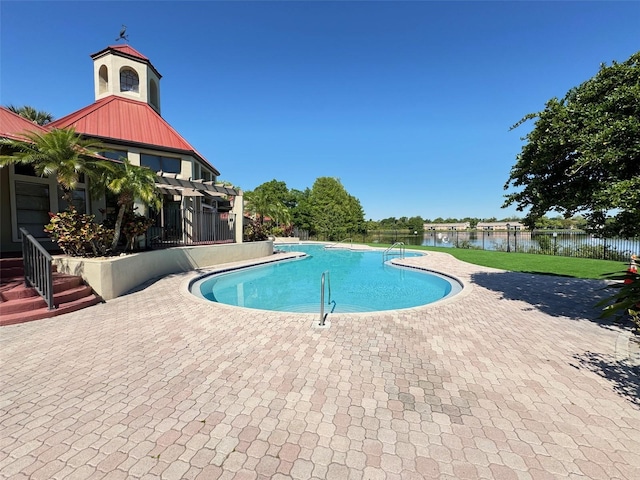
[[41, 313], [10, 284], [9, 272], [61, 282], [10, 262], [18, 271], [27, 304]]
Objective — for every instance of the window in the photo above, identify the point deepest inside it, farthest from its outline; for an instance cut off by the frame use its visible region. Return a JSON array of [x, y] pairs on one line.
[[129, 80], [32, 207], [157, 163], [103, 82], [153, 93], [115, 154], [25, 169], [32, 197], [78, 200]]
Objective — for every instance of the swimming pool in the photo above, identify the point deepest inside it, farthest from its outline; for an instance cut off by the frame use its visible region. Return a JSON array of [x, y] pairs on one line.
[[360, 282]]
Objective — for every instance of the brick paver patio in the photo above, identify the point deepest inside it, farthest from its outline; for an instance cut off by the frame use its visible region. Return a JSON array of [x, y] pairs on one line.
[[515, 379]]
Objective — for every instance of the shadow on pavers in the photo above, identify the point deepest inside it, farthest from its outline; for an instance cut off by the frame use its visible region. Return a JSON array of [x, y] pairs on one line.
[[624, 375], [574, 299], [557, 296]]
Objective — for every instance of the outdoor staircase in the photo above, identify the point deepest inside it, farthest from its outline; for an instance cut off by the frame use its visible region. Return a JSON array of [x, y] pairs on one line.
[[19, 303]]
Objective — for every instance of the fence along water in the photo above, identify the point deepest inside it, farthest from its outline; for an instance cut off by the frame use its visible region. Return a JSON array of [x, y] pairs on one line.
[[568, 243]]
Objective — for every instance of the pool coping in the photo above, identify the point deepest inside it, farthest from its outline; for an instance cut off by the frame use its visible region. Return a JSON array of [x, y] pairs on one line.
[[185, 288]]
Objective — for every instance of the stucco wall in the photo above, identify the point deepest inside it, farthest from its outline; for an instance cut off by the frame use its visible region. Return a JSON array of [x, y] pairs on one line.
[[112, 277]]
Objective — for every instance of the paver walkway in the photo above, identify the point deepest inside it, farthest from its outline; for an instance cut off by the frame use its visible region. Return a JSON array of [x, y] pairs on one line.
[[513, 380]]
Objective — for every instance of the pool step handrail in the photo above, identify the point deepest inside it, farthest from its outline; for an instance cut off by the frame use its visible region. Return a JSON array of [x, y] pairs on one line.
[[333, 245], [322, 282], [389, 251]]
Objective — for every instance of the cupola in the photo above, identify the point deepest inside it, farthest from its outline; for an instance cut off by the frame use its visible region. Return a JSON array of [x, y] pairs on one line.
[[123, 71]]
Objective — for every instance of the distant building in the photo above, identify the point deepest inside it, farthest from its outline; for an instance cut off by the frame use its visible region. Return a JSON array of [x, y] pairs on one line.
[[500, 226], [447, 226]]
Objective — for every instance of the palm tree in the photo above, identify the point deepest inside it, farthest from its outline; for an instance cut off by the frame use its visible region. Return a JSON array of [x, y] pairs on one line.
[[39, 117], [130, 182], [261, 205], [60, 152]]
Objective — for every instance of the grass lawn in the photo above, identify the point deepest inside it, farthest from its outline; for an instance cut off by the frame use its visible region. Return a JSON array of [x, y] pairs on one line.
[[532, 263]]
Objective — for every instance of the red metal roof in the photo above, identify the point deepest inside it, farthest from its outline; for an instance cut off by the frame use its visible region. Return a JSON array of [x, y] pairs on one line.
[[126, 51], [122, 120], [12, 125]]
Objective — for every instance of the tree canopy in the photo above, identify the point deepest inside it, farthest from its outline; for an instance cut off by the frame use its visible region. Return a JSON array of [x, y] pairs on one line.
[[335, 214], [583, 154], [129, 182], [39, 117], [60, 152], [326, 210], [271, 199]]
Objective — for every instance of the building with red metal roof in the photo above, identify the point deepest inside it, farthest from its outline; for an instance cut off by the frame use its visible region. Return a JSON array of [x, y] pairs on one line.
[[13, 125], [126, 118], [126, 122]]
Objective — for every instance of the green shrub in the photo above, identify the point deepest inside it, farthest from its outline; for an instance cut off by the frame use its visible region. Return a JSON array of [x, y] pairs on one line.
[[78, 235], [255, 231], [467, 244], [598, 251], [626, 300], [133, 225], [277, 232]]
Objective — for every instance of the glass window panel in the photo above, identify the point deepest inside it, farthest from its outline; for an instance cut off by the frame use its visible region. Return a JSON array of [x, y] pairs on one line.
[[128, 81], [151, 161], [26, 202], [32, 189], [22, 169], [79, 200], [115, 154], [32, 207], [171, 165]]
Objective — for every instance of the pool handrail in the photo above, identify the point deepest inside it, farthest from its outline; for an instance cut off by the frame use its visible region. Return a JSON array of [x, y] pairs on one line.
[[322, 277], [333, 245], [387, 253]]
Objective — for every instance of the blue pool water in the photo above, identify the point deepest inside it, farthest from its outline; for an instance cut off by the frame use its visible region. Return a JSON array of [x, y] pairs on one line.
[[360, 282]]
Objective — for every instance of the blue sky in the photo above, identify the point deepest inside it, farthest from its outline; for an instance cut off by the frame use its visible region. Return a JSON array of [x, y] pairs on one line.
[[409, 104]]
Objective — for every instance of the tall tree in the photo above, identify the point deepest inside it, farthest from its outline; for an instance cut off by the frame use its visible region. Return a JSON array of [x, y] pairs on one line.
[[60, 152], [39, 117], [334, 212], [130, 182], [416, 224], [583, 154], [301, 210]]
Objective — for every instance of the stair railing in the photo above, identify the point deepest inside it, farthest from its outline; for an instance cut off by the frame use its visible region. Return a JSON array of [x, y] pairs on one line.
[[38, 267]]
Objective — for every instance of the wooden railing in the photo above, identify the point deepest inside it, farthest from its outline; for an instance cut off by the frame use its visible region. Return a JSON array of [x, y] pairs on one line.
[[38, 268]]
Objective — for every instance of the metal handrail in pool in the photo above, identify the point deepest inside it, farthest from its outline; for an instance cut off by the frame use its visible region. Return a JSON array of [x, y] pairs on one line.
[[328, 275], [334, 245], [387, 252]]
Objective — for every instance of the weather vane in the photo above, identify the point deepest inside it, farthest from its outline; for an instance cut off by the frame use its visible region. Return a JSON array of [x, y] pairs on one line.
[[123, 34]]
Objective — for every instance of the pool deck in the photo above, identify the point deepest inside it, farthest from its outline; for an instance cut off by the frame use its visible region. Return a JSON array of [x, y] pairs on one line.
[[514, 379]]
